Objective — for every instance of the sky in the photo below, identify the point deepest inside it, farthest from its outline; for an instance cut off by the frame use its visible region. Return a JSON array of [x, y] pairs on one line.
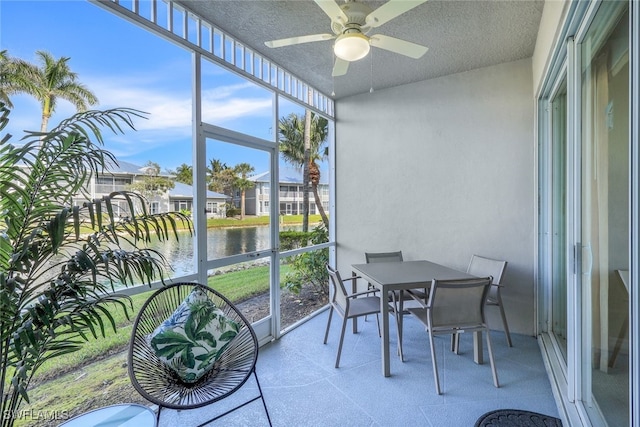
[[128, 66]]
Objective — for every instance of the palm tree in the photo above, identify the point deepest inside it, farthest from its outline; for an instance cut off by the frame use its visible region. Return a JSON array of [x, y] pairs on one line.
[[242, 183], [292, 148], [15, 77], [184, 174], [50, 81], [221, 177]]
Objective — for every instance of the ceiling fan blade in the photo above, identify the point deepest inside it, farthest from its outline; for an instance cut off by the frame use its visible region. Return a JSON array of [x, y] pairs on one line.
[[333, 11], [402, 47], [390, 10], [299, 40], [340, 67]]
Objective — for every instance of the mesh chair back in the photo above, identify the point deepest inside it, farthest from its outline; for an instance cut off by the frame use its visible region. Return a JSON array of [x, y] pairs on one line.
[[338, 291], [457, 303], [483, 267], [159, 384], [383, 256]]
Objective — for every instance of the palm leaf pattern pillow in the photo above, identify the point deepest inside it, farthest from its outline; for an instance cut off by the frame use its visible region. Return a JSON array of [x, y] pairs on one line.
[[193, 337]]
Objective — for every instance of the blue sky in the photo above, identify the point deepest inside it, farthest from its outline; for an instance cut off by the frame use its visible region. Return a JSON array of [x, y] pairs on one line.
[[127, 66]]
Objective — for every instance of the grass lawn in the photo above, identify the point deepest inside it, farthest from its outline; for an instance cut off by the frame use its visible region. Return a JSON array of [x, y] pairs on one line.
[[80, 381], [97, 375], [261, 220], [78, 391], [235, 285]]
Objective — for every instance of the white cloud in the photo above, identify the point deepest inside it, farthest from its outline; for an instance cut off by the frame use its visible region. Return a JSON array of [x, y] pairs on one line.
[[169, 110], [172, 110], [219, 112]]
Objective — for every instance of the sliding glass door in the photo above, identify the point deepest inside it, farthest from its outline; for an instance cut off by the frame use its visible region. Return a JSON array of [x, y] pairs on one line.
[[604, 213], [585, 227], [558, 223]]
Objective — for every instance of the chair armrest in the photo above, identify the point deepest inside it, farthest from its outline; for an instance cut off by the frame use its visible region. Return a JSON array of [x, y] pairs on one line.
[[353, 280], [357, 294], [418, 298]]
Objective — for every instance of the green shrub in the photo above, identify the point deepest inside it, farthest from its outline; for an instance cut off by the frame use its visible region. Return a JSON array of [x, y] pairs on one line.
[[309, 268], [291, 239], [231, 210]]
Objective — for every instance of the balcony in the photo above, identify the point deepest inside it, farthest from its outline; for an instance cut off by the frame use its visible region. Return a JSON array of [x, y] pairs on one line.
[[302, 388]]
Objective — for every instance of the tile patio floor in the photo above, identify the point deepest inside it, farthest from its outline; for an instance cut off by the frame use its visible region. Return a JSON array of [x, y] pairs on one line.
[[302, 388]]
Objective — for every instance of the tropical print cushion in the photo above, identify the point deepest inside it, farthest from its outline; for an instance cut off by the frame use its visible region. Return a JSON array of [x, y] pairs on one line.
[[193, 338]]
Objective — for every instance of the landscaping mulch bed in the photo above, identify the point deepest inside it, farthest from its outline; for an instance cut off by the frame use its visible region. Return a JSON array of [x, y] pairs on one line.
[[293, 307]]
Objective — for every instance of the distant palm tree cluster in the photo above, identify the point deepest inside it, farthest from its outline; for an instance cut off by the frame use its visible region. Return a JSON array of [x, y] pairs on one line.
[[302, 137]]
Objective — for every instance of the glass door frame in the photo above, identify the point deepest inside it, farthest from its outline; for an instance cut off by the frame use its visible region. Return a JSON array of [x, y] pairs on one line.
[[568, 385], [565, 373], [267, 327], [634, 214], [546, 152]]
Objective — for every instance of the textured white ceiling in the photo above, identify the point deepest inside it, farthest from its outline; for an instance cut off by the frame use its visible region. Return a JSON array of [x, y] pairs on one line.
[[461, 36]]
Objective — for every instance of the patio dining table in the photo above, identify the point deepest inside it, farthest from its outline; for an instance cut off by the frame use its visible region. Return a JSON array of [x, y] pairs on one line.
[[400, 276]]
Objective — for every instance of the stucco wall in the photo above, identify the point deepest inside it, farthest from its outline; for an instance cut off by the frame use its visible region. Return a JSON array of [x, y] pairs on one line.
[[443, 169]]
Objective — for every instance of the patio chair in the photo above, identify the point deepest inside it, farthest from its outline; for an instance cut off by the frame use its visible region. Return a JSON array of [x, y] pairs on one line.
[[482, 267], [349, 306], [454, 306], [395, 302], [160, 383]]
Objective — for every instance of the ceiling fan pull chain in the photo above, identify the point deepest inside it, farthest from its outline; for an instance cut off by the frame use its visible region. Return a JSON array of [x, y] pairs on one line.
[[371, 86], [333, 77]]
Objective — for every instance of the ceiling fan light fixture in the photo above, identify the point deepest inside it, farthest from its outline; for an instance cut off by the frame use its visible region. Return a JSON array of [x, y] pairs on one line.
[[351, 46]]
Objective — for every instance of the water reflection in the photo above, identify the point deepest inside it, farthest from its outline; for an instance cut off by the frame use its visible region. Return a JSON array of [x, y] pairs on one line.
[[221, 242]]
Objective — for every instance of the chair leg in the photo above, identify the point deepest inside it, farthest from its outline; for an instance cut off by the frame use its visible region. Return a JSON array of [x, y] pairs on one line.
[[378, 323], [344, 327], [493, 365], [504, 320], [399, 312], [326, 333], [434, 363], [399, 333], [262, 397], [624, 329], [455, 342]]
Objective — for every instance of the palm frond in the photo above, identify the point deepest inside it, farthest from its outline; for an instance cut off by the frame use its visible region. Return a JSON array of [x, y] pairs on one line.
[[59, 263]]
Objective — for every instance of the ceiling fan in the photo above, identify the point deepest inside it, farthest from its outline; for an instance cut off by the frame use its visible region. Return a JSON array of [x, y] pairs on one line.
[[350, 23]]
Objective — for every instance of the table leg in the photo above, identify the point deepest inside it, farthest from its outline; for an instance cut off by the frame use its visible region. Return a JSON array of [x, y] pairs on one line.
[[384, 342], [354, 289], [477, 347]]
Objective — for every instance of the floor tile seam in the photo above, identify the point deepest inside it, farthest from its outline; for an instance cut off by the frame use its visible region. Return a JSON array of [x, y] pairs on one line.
[[355, 404], [293, 386], [426, 417]]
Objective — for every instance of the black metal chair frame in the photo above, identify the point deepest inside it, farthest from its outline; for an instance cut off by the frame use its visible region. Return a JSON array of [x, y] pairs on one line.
[[160, 385]]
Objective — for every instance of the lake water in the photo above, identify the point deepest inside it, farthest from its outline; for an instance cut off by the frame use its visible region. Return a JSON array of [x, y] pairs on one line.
[[221, 242]]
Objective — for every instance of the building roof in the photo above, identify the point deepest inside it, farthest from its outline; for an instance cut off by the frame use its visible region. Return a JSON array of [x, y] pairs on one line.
[[184, 190], [127, 168], [179, 190], [287, 176]]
